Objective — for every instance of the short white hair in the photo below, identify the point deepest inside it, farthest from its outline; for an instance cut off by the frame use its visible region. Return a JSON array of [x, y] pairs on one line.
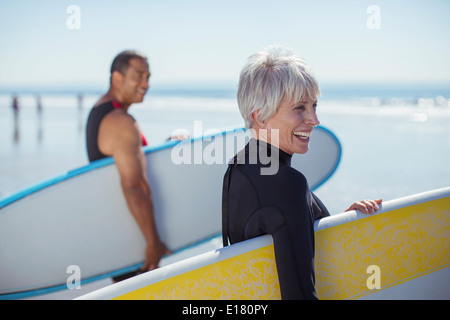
[[270, 76]]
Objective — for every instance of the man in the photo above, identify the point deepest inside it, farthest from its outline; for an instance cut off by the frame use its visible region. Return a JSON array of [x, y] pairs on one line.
[[111, 131]]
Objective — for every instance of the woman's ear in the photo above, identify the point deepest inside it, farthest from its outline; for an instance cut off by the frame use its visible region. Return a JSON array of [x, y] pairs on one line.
[[254, 116]]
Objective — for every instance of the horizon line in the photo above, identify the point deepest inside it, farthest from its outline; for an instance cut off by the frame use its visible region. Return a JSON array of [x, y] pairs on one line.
[[215, 85]]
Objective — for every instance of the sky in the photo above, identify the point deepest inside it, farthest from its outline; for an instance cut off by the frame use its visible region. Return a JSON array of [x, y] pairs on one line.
[[206, 42]]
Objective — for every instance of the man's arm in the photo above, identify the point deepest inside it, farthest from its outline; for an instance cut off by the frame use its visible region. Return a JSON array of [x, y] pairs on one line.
[[121, 138]]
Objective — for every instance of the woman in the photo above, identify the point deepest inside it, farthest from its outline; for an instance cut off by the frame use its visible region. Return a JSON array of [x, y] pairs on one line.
[[277, 97]]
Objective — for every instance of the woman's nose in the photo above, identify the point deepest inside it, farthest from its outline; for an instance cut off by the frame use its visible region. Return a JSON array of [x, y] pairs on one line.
[[312, 119]]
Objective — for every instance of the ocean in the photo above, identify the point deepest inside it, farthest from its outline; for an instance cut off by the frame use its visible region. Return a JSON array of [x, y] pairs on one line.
[[395, 140]]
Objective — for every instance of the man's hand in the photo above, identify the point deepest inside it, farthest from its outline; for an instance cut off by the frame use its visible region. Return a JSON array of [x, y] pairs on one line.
[[153, 254]]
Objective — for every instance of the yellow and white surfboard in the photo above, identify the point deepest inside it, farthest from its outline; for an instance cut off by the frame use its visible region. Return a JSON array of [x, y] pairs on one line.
[[401, 252]]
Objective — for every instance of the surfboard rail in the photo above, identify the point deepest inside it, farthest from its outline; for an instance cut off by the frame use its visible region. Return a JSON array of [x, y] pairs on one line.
[[406, 241]]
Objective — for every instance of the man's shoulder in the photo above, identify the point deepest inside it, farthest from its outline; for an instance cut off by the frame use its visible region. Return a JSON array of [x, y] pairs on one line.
[[119, 117], [118, 125]]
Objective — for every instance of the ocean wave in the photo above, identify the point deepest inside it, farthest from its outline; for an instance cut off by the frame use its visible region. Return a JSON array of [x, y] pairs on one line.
[[360, 105]]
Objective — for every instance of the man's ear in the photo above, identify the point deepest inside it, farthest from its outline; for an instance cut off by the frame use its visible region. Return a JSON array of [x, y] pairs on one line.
[[116, 79]]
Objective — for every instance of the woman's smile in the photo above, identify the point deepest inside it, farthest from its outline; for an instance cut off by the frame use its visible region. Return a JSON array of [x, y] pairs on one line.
[[303, 135]]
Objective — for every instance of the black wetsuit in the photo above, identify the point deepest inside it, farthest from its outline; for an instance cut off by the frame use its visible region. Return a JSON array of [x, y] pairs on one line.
[[95, 117], [281, 205]]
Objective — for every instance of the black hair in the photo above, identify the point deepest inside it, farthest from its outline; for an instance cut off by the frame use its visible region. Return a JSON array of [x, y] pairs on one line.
[[122, 61]]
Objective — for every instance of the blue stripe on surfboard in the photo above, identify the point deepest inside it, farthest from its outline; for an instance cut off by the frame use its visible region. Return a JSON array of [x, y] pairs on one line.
[[60, 287], [90, 167]]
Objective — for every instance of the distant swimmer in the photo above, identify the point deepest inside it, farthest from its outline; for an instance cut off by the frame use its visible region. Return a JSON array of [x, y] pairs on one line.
[[112, 131], [277, 97]]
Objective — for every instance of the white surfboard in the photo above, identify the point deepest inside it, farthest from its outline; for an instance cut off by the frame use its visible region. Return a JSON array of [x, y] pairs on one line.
[[81, 218], [401, 252]]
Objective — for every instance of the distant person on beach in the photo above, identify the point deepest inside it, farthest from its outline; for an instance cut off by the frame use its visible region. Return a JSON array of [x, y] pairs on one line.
[[277, 97], [112, 131], [15, 107], [80, 102], [39, 105], [80, 112]]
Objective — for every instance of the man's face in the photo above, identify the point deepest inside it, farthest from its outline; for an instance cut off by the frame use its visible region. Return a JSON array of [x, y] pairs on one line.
[[134, 83]]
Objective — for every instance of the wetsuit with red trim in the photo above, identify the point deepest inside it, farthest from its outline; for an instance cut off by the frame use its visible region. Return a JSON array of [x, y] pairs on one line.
[[93, 124]]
